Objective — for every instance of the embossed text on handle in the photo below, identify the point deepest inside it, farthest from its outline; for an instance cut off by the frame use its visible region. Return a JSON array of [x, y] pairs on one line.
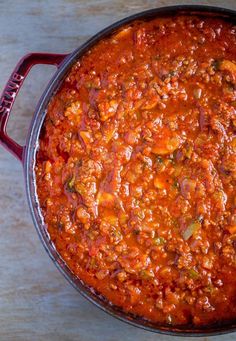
[[10, 93]]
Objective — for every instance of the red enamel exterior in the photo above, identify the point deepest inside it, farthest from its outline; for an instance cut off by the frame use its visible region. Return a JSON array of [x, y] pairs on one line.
[[11, 90]]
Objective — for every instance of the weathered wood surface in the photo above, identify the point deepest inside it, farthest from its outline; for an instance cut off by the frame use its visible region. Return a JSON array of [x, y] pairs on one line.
[[36, 302]]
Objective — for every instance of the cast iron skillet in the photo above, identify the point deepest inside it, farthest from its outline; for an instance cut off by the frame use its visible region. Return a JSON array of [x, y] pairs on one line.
[[27, 153]]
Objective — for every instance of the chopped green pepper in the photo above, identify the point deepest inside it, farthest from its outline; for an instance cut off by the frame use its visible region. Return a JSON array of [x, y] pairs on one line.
[[146, 274], [193, 274], [70, 184], [159, 241], [191, 229]]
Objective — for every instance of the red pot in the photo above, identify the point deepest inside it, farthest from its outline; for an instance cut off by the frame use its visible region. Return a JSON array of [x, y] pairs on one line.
[[26, 154]]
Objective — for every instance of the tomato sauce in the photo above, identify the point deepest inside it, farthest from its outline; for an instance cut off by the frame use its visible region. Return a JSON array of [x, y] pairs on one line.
[[136, 169]]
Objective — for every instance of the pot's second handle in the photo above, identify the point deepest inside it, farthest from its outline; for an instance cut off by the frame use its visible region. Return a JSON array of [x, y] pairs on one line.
[[11, 90]]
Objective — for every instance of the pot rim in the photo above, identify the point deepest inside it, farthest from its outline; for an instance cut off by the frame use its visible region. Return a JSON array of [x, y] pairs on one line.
[[29, 164]]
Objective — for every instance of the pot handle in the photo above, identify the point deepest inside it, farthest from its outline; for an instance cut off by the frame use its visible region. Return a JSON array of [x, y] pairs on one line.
[[11, 90]]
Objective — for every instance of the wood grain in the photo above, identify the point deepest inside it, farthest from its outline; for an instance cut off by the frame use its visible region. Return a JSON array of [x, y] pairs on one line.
[[36, 302]]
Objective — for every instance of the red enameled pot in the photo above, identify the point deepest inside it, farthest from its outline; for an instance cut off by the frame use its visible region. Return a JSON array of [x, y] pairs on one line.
[[26, 155]]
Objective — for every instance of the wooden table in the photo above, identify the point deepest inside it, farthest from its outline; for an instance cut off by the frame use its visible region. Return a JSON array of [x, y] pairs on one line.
[[36, 302]]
